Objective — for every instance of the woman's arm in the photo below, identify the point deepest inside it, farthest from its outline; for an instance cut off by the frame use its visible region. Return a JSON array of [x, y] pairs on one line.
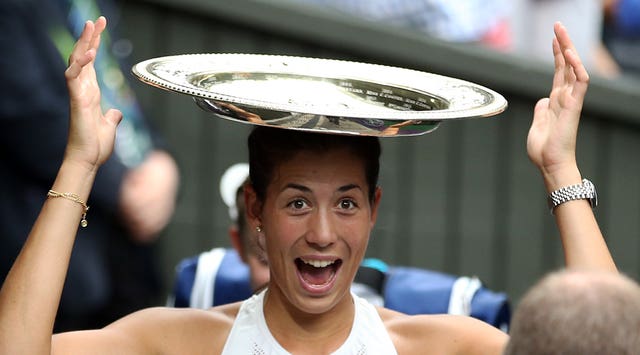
[[31, 292], [551, 146]]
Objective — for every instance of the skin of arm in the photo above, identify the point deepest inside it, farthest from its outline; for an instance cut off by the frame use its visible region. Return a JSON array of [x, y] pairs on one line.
[[30, 295], [442, 334], [551, 146], [155, 331]]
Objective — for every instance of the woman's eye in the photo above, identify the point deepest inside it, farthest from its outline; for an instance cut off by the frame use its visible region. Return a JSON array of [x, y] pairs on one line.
[[298, 204], [347, 204]]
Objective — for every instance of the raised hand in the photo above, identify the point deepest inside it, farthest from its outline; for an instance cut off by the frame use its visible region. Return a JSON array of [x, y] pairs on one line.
[[31, 291], [551, 143], [551, 146], [91, 133]]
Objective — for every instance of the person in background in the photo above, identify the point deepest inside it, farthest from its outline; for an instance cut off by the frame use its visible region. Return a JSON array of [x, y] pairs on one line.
[[113, 269], [621, 34], [224, 275], [484, 22], [532, 19], [578, 312]]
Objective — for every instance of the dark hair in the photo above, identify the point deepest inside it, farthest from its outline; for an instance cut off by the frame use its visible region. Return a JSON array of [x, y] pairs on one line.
[[270, 147], [241, 220]]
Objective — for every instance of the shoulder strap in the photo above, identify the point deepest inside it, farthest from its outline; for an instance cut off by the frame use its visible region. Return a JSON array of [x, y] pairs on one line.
[[204, 283], [462, 292]]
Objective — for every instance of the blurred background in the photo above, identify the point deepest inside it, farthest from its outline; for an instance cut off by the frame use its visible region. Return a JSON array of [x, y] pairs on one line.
[[463, 199]]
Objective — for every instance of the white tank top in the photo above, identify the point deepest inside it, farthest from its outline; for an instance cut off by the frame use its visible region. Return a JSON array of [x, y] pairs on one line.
[[250, 334]]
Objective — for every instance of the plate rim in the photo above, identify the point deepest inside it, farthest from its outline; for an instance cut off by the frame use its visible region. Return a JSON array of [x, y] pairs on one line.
[[497, 105]]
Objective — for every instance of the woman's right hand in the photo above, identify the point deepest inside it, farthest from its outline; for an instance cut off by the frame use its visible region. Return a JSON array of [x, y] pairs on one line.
[[91, 133]]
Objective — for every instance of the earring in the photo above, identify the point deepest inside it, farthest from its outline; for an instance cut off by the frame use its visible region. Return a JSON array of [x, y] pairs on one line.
[[258, 229]]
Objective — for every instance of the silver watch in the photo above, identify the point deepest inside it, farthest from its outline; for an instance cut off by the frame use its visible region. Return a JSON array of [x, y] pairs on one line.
[[584, 191]]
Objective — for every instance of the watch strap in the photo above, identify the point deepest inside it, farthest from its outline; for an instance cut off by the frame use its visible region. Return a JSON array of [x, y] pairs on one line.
[[583, 191]]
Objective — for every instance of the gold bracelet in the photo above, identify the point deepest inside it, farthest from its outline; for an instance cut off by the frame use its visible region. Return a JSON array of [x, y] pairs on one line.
[[75, 198]]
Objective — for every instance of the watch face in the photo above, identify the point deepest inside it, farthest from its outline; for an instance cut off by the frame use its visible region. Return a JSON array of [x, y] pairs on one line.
[[591, 189]]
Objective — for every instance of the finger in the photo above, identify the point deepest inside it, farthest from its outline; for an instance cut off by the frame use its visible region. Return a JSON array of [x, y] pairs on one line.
[[565, 43], [559, 77], [559, 63], [113, 116], [580, 73], [75, 68], [84, 42], [563, 37], [100, 25], [539, 112], [558, 59], [542, 104], [538, 131]]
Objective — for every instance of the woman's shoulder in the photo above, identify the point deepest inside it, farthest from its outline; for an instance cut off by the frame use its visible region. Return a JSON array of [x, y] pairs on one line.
[[158, 330], [185, 330], [160, 316], [441, 334]]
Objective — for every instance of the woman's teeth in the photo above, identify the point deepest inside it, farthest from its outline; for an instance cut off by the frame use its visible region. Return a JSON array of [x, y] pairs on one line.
[[319, 263]]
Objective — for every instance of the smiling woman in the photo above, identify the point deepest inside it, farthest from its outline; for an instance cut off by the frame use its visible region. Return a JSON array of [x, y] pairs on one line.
[[315, 205], [315, 199]]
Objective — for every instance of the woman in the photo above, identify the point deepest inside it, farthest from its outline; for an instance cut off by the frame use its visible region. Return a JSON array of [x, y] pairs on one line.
[[315, 208]]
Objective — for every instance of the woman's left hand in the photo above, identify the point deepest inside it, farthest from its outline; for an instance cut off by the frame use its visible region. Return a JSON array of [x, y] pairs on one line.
[[551, 143]]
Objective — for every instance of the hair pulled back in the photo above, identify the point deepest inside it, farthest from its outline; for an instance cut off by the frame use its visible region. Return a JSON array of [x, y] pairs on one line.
[[270, 147]]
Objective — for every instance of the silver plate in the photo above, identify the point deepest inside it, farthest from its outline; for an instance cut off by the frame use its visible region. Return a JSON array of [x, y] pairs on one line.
[[325, 95]]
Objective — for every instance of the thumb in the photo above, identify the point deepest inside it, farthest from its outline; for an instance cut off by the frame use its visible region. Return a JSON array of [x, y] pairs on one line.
[[113, 116], [542, 104], [539, 115]]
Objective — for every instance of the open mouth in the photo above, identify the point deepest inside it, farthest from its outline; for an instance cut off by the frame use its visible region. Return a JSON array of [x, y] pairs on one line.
[[317, 274]]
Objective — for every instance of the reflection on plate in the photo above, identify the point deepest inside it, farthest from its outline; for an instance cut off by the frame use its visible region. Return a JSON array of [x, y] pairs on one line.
[[322, 95]]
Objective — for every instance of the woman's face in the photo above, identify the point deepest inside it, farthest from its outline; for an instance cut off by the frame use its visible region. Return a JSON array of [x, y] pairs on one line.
[[316, 219]]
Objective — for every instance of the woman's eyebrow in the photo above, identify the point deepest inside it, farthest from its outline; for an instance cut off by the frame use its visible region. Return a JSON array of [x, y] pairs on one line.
[[297, 187], [349, 187], [306, 189]]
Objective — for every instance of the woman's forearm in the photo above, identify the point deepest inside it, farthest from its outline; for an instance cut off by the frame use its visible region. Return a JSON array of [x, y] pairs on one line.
[[583, 243], [31, 292]]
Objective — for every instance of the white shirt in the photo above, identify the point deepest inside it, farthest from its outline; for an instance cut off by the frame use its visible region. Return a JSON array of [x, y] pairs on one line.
[[250, 334]]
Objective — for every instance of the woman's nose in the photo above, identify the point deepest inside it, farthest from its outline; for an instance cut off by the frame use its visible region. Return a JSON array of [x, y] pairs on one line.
[[321, 230]]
